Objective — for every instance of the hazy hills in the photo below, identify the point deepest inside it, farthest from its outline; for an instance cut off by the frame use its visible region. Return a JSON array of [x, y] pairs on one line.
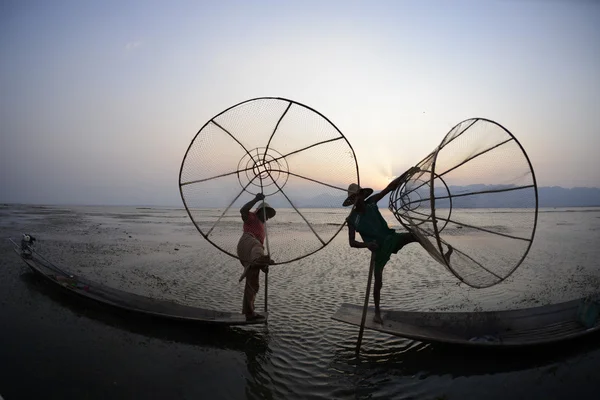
[[548, 196]]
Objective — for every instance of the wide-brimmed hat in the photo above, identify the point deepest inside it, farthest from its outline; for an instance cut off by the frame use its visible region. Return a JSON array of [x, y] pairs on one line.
[[270, 210], [353, 190]]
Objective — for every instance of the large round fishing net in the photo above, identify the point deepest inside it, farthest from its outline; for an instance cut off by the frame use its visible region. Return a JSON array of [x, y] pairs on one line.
[[477, 193], [289, 152]]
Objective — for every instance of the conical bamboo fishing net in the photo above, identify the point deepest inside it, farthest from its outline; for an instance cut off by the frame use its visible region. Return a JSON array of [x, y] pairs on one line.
[[477, 193]]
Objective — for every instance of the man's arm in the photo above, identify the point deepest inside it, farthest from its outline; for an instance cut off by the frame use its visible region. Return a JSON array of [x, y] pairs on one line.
[[393, 185], [356, 244], [245, 210]]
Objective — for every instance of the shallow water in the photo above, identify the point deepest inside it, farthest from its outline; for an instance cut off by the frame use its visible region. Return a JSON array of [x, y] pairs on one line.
[[302, 352]]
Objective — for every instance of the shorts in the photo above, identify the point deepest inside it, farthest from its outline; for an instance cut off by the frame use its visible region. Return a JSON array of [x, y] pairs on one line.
[[391, 245], [249, 249]]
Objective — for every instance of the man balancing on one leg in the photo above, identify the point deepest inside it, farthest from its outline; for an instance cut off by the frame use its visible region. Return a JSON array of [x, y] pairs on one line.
[[251, 251], [377, 236]]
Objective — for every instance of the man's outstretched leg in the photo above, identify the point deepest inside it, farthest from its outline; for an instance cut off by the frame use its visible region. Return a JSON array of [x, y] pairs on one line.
[[376, 295]]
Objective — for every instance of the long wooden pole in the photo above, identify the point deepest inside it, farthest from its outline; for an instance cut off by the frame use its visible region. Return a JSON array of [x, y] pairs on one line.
[[266, 288], [268, 253], [366, 306], [264, 210]]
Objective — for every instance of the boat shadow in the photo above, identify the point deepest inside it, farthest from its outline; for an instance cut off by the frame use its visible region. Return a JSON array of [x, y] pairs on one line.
[[413, 358], [251, 339]]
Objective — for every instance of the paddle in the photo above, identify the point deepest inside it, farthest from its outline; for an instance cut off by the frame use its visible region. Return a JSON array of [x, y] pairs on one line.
[[268, 252], [366, 306]]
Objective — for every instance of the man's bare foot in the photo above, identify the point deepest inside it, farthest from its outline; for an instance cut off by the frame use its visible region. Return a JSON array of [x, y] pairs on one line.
[[377, 319], [254, 317], [448, 253]]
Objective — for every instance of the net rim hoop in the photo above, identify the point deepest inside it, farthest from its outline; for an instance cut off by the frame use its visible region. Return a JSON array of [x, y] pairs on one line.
[[237, 105], [432, 200]]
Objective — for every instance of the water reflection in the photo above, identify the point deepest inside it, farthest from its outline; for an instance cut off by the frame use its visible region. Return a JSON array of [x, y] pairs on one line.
[[253, 341], [302, 353], [412, 358]]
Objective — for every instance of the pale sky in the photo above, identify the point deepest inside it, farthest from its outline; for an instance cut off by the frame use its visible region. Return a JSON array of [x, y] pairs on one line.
[[99, 100]]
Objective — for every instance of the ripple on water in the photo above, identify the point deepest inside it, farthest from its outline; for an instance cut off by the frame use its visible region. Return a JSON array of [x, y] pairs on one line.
[[302, 351]]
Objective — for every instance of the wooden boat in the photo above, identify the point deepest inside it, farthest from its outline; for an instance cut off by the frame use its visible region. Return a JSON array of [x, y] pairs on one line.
[[125, 300], [509, 328]]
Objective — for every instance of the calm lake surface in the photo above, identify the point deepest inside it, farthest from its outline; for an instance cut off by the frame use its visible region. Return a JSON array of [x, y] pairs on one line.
[[301, 352]]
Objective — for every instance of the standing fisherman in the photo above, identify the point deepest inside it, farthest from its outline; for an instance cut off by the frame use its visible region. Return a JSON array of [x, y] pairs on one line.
[[377, 236], [251, 251]]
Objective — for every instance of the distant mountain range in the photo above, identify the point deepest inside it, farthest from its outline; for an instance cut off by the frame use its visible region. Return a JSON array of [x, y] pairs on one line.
[[548, 196], [552, 196], [555, 196], [506, 197]]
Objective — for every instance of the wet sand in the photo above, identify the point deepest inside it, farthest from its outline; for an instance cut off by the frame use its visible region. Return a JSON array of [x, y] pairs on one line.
[[55, 346]]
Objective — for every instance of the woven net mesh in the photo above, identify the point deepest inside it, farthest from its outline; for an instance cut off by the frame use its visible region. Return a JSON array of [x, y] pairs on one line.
[[289, 152], [477, 193]]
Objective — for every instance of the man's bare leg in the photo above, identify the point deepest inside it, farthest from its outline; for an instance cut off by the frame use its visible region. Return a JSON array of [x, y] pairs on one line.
[[376, 295], [250, 291]]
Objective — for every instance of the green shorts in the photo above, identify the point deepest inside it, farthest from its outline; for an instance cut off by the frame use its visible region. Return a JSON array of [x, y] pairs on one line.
[[391, 245]]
